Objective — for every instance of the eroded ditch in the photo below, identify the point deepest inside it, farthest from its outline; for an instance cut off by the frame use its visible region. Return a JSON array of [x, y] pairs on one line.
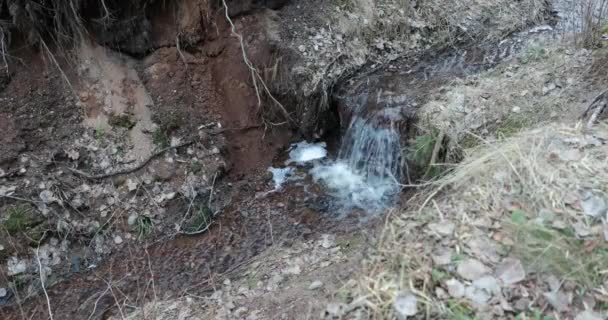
[[379, 108]]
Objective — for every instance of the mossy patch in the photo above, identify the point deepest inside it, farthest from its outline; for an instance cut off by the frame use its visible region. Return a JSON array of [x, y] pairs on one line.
[[123, 121]]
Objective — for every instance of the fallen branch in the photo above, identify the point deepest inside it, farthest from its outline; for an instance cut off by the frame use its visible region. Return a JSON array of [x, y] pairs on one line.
[[129, 170], [596, 107]]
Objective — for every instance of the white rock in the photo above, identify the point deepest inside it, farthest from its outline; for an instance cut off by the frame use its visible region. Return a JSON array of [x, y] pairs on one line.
[[558, 300], [455, 288], [131, 185], [315, 285], [132, 219], [511, 271], [405, 304], [295, 270], [589, 315], [117, 239], [16, 266], [327, 241], [516, 109], [594, 205], [487, 283], [472, 269], [47, 196], [3, 292], [479, 297]]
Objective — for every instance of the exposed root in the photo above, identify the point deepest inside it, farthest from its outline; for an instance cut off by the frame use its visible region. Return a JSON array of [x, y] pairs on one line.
[[255, 74], [129, 170]]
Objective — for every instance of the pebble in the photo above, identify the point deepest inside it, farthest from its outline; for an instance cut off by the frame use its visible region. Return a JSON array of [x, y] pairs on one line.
[[3, 292], [511, 271], [472, 269], [117, 239], [405, 304], [315, 285], [455, 288]]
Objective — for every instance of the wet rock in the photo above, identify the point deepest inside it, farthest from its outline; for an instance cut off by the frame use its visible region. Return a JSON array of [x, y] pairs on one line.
[[472, 269], [315, 285], [405, 304], [511, 271], [455, 288]]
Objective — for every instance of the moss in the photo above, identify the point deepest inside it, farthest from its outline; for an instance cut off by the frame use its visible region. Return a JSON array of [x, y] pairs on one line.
[[160, 138], [19, 218], [201, 219], [123, 121]]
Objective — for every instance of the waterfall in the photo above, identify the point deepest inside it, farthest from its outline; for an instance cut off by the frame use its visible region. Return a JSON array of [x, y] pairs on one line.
[[367, 171]]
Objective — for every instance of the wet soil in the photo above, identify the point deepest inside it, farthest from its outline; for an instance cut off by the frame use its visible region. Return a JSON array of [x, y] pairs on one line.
[[182, 90]]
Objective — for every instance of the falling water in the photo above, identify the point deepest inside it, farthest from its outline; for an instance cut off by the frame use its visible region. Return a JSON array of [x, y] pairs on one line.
[[367, 171]]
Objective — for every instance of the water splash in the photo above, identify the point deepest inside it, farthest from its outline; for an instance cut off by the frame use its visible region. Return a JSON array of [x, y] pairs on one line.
[[367, 171]]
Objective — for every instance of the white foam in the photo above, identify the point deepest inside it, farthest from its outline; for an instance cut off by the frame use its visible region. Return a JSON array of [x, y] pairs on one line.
[[303, 152], [280, 175], [353, 189]]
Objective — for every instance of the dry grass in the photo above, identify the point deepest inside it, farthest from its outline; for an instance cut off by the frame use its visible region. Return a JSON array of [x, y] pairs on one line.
[[540, 170]]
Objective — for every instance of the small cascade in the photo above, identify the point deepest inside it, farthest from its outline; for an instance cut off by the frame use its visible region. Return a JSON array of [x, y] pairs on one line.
[[367, 171]]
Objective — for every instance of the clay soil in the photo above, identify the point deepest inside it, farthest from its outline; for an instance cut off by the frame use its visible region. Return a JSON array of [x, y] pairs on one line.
[[206, 85]]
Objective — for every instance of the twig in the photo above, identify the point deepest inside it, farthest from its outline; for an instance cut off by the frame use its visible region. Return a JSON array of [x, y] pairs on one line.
[[436, 150], [48, 301], [129, 170]]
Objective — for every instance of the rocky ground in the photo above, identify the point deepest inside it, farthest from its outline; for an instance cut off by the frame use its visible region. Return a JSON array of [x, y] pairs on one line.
[[134, 185]]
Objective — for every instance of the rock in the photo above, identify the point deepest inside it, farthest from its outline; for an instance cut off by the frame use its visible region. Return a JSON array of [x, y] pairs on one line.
[[3, 292], [443, 228], [472, 269], [47, 196], [477, 296], [73, 155], [484, 248], [117, 239], [442, 256], [131, 185], [16, 266], [294, 270], [405, 304], [570, 155], [455, 288], [589, 315], [327, 241], [132, 219], [510, 271], [548, 88], [558, 300], [487, 283], [335, 309], [516, 109], [593, 205], [315, 285]]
